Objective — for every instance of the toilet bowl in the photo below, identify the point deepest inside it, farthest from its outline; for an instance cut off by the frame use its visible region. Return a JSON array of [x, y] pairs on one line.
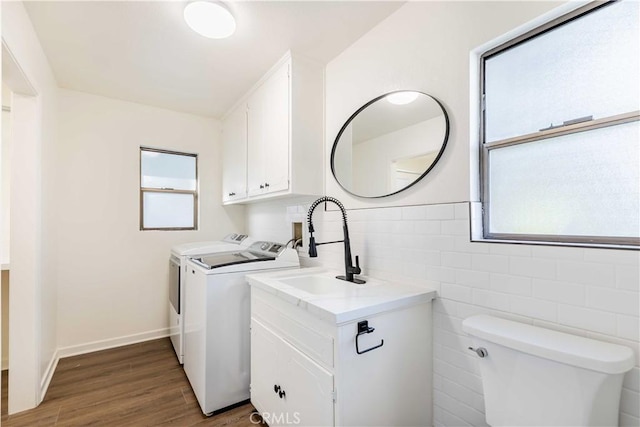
[[533, 376]]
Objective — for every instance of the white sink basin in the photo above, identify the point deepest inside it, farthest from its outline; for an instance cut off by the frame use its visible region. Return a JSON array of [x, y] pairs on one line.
[[319, 285], [319, 292]]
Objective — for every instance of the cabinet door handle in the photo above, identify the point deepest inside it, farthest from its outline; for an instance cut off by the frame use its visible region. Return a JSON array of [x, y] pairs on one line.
[[266, 184], [282, 394], [232, 194], [276, 388], [261, 186]]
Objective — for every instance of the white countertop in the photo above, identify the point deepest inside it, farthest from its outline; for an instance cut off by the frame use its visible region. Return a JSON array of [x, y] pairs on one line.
[[321, 294]]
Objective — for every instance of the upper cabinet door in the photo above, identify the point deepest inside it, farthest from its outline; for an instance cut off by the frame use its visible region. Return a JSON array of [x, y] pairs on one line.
[[256, 140], [276, 155], [234, 157], [268, 134]]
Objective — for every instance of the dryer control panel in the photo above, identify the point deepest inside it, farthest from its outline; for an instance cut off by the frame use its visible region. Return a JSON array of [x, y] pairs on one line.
[[234, 238], [268, 247]]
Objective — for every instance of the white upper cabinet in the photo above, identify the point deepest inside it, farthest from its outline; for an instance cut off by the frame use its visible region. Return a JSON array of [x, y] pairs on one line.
[[234, 158], [283, 134]]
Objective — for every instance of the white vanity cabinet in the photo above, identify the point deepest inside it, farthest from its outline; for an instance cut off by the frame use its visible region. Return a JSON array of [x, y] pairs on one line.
[[283, 133], [234, 155], [305, 368], [289, 385]]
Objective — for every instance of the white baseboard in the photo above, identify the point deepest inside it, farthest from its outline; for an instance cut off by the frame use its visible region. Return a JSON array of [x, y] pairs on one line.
[[46, 378], [90, 347]]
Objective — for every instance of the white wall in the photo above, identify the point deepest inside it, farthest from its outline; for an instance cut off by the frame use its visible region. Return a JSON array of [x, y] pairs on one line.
[[590, 292], [5, 211], [5, 173], [5, 219], [113, 278], [33, 299]]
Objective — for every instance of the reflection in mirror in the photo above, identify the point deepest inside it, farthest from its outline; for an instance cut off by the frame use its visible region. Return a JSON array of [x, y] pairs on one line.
[[389, 144]]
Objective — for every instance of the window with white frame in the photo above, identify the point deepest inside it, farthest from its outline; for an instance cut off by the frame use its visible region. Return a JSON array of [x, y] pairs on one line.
[[560, 130], [168, 190]]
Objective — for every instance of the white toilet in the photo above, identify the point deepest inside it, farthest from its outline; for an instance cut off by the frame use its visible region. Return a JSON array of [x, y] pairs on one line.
[[533, 376]]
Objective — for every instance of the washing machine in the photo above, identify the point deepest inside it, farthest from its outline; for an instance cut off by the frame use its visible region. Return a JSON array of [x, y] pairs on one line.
[[179, 254], [217, 319]]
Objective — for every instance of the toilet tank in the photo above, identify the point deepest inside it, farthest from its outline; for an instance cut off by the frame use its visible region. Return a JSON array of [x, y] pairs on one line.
[[533, 376]]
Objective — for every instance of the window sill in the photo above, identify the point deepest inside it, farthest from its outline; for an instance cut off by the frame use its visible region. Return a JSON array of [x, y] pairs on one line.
[[560, 244]]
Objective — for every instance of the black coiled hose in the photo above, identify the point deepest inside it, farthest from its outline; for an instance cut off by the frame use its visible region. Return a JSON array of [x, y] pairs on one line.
[[322, 200]]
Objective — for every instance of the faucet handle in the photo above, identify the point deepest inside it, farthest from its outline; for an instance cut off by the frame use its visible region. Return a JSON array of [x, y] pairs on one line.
[[357, 269], [313, 252]]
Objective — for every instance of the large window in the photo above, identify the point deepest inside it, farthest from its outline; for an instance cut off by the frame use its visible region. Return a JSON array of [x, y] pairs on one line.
[[560, 130], [168, 190]]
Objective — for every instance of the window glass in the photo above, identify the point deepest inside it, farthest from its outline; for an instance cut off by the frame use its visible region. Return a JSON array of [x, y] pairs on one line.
[[587, 67], [165, 170], [576, 78], [168, 190], [570, 185], [168, 210]]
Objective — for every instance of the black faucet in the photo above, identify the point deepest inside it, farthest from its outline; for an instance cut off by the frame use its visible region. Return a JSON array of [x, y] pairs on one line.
[[349, 269]]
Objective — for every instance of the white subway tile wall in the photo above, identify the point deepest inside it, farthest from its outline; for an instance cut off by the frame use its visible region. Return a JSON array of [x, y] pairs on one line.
[[584, 291]]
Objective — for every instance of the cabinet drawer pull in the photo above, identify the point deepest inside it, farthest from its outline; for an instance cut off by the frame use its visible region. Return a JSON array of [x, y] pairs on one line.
[[266, 184], [261, 186], [232, 194]]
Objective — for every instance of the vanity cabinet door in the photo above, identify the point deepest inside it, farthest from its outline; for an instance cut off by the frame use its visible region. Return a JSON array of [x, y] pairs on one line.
[[234, 156], [268, 135], [265, 348], [308, 388], [287, 387]]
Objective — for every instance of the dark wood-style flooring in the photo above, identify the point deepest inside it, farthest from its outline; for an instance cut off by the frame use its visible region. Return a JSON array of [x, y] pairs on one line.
[[136, 385]]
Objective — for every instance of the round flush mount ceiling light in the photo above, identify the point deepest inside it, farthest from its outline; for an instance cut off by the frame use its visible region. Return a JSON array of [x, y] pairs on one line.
[[401, 98], [209, 19]]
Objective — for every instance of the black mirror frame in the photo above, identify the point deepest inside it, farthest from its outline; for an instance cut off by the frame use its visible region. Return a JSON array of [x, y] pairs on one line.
[[353, 116]]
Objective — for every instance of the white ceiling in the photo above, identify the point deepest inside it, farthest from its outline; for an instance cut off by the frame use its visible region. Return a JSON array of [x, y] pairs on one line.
[[143, 51]]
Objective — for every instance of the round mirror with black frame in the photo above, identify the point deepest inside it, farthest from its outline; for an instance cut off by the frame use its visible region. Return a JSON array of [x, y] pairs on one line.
[[389, 144]]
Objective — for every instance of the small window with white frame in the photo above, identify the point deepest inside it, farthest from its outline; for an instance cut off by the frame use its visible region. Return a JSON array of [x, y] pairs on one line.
[[560, 130], [168, 190]]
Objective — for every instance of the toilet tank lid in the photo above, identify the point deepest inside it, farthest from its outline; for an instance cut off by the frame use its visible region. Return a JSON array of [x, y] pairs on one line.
[[558, 346]]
